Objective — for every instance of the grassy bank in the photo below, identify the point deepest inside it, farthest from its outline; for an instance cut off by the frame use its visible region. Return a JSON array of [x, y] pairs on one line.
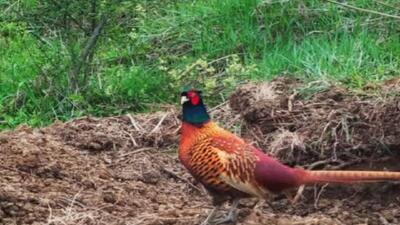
[[151, 48]]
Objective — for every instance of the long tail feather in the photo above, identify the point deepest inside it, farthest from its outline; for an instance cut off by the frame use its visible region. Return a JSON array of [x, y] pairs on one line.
[[340, 176]]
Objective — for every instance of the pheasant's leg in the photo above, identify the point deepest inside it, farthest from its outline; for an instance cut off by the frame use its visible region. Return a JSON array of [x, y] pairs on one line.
[[298, 194], [232, 214], [210, 216], [294, 199]]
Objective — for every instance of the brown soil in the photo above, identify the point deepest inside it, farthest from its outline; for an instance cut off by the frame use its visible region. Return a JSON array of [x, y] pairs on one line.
[[124, 170]]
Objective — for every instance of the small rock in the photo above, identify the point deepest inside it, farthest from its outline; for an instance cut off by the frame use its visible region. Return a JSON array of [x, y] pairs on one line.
[[151, 177], [3, 140], [109, 197]]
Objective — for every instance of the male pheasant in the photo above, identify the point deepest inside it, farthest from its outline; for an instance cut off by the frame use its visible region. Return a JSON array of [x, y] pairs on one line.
[[230, 169]]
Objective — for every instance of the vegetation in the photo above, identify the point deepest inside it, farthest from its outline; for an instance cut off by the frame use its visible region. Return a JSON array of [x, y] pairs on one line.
[[64, 59]]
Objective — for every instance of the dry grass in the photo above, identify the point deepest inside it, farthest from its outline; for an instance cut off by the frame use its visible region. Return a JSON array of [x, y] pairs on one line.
[[332, 124]]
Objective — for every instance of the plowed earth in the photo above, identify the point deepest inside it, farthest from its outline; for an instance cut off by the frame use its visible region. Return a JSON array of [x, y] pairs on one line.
[[124, 170]]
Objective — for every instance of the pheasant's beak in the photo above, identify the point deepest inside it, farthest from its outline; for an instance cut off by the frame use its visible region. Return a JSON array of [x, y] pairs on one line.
[[184, 99]]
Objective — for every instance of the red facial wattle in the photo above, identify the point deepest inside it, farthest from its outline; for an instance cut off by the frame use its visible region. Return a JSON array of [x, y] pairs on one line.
[[194, 98]]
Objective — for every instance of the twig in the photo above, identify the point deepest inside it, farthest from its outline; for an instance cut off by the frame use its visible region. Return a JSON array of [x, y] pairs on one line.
[[218, 106], [159, 123], [364, 10], [62, 8], [232, 122], [344, 164], [255, 136], [73, 202], [290, 101], [137, 151], [10, 7], [132, 139], [387, 5], [319, 195], [318, 163], [383, 219], [176, 130], [223, 57], [134, 124], [182, 179]]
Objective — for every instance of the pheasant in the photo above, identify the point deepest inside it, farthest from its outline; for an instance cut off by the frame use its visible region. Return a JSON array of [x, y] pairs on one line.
[[231, 169]]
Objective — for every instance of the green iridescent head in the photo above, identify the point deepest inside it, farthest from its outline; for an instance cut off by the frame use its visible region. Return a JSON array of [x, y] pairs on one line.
[[193, 108]]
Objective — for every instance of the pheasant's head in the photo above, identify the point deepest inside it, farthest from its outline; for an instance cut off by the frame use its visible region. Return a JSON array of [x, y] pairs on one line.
[[193, 108]]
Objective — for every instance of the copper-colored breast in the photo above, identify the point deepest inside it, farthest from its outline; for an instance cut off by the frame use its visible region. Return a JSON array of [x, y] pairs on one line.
[[206, 166], [201, 159]]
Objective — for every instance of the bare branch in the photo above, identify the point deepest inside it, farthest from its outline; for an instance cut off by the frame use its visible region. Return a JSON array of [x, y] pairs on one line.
[[364, 10], [387, 5], [70, 16], [90, 44]]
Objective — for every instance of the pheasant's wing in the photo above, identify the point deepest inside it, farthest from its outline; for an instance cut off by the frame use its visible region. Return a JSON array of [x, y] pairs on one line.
[[239, 161]]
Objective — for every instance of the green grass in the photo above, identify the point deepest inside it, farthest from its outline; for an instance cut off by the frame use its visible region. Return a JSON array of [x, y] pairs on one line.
[[160, 49]]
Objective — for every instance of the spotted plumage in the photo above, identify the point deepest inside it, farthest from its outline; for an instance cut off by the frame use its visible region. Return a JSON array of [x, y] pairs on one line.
[[219, 160]]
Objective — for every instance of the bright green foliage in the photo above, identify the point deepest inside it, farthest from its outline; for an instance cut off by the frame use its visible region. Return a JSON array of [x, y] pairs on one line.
[[149, 49]]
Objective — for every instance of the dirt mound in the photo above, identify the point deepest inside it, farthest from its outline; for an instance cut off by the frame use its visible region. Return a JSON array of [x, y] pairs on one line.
[[152, 130], [100, 178], [124, 170], [304, 123]]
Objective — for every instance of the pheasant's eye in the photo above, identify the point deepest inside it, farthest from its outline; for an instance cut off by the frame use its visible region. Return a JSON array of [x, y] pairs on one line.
[[191, 94], [194, 97]]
